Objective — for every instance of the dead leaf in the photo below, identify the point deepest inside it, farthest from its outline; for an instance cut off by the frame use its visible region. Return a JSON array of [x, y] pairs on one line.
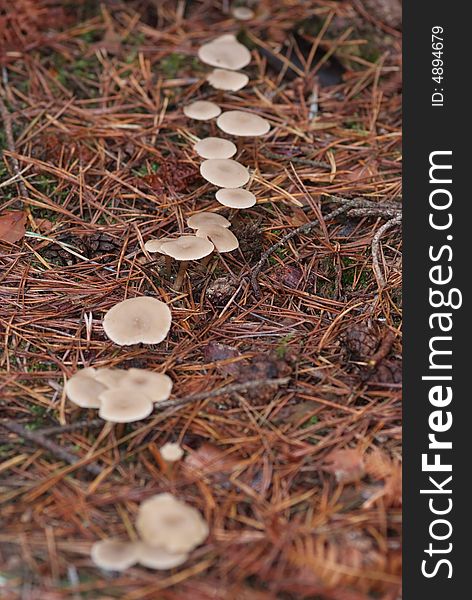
[[346, 465], [12, 226], [211, 459]]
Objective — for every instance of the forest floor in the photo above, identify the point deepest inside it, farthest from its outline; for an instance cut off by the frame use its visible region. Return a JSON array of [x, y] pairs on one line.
[[299, 478]]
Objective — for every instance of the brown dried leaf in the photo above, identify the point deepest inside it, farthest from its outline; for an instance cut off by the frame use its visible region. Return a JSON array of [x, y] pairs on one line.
[[215, 352], [210, 459], [12, 226], [346, 465]]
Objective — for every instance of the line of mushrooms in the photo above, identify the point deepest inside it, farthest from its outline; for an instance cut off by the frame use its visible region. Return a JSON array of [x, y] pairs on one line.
[[167, 528]]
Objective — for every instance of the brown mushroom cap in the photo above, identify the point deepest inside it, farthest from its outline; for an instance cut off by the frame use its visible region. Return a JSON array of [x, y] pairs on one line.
[[171, 452], [204, 219], [143, 319], [213, 147], [223, 239], [124, 406], [223, 79], [155, 386], [243, 124], [114, 555], [235, 197], [224, 172], [165, 522], [188, 247], [158, 558], [225, 53], [154, 245], [242, 13], [83, 389], [202, 110]]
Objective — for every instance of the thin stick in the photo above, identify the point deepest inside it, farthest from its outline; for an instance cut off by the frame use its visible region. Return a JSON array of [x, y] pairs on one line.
[[6, 117], [376, 249]]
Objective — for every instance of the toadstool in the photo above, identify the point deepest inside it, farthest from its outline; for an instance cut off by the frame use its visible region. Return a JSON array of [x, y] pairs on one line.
[[83, 388], [235, 198], [155, 386], [223, 239], [124, 406], [202, 110], [158, 558], [225, 52], [185, 248], [224, 172], [242, 124], [213, 147], [171, 452], [223, 79], [202, 219], [114, 555], [242, 13]]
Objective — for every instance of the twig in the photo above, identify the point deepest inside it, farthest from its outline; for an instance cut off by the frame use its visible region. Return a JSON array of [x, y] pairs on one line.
[[376, 249], [297, 160], [58, 429], [6, 118]]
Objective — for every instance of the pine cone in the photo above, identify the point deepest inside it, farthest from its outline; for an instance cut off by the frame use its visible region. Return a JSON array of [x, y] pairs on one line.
[[101, 243], [220, 291], [59, 255], [361, 340]]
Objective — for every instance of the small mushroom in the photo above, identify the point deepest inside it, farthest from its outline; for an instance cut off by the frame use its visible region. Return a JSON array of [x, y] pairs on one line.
[[203, 219], [154, 245], [167, 523], [202, 110], [236, 198], [115, 555], [223, 79], [213, 147], [185, 248], [223, 239], [242, 124], [158, 558], [138, 320], [110, 377], [224, 172], [225, 52], [242, 13], [155, 386], [171, 452], [124, 406], [83, 389]]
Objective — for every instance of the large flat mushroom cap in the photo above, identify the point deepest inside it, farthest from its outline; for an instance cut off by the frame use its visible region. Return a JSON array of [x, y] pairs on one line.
[[225, 53], [224, 172], [114, 555], [188, 247], [109, 377], [156, 386], [165, 522], [236, 198], [202, 110], [83, 389], [154, 245], [202, 219], [158, 558], [223, 239], [124, 406], [223, 79], [213, 147], [138, 320], [242, 124]]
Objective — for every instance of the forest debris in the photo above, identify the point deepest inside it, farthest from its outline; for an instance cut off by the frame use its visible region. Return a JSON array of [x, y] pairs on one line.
[[12, 226], [346, 465]]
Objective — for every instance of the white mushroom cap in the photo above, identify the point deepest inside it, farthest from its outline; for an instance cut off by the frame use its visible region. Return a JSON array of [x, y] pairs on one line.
[[213, 147], [114, 555], [242, 13], [223, 239], [188, 247], [204, 219], [226, 37], [225, 53], [235, 197], [143, 319], [109, 377], [222, 79], [83, 389], [124, 406], [165, 522], [159, 559], [171, 452], [224, 172], [155, 386], [243, 124], [154, 245], [202, 110]]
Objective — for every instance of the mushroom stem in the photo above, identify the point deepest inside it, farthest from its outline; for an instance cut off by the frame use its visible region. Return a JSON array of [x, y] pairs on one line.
[[180, 275], [168, 265], [204, 262]]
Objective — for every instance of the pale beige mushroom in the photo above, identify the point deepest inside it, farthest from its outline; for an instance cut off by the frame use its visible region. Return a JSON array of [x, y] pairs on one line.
[[114, 555], [236, 198], [124, 406], [158, 558], [213, 147], [202, 110], [242, 124], [110, 377], [155, 386], [242, 13], [224, 172], [83, 388], [202, 219], [167, 523], [154, 245], [171, 452], [186, 248], [226, 53], [223, 239], [138, 320], [223, 79]]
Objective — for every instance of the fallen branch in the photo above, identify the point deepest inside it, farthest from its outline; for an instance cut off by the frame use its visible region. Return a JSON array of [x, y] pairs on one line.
[[376, 249]]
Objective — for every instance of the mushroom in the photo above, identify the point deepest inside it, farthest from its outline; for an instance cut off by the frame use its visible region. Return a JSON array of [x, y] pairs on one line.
[[142, 319], [202, 219], [223, 239], [114, 555], [235, 197], [224, 172], [167, 523], [110, 377], [213, 147], [158, 558], [154, 245], [83, 389], [155, 386], [185, 248], [225, 52], [242, 13], [124, 406], [202, 110], [171, 452], [222, 79], [242, 124]]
